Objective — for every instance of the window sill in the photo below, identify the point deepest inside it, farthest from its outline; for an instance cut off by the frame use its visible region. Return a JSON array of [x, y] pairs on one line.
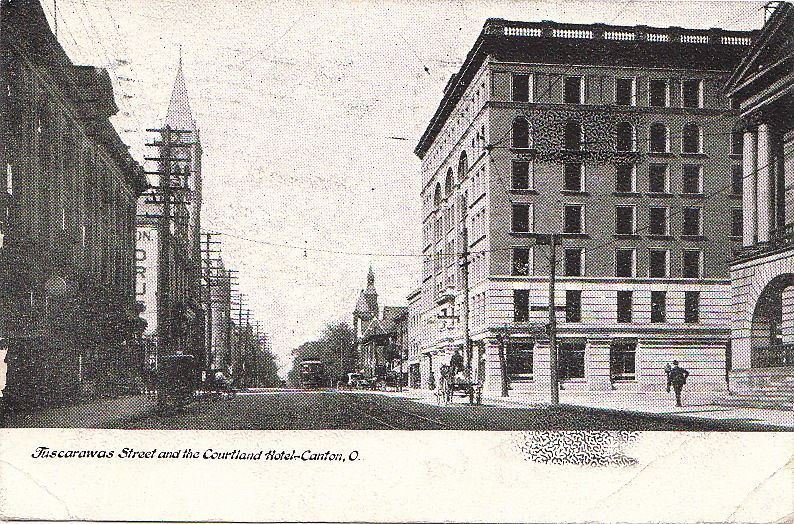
[[524, 150], [693, 195], [653, 194], [627, 236], [626, 194], [660, 154], [736, 238], [685, 154], [574, 192], [660, 237], [574, 235], [522, 234], [735, 156], [524, 191], [693, 237]]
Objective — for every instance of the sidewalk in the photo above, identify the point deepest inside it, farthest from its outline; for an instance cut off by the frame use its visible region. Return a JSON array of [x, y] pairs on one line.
[[101, 413], [628, 401]]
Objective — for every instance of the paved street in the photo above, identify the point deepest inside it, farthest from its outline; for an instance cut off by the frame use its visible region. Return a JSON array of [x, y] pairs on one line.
[[299, 410]]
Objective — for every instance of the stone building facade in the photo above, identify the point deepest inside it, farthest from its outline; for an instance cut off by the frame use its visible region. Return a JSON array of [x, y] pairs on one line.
[[68, 314], [762, 273], [619, 139]]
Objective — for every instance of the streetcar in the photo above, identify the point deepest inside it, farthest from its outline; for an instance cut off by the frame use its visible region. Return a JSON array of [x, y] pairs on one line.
[[312, 374]]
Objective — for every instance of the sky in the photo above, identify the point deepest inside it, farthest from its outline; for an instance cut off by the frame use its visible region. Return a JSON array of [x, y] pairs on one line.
[[308, 115]]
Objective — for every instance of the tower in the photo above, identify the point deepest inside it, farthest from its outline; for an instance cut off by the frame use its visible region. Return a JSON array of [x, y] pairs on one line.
[[366, 307]]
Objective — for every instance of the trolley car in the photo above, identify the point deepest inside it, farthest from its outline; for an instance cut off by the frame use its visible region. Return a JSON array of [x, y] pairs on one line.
[[313, 374]]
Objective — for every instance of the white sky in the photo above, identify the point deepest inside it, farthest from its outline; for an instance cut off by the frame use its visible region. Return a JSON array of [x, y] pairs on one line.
[[296, 103]]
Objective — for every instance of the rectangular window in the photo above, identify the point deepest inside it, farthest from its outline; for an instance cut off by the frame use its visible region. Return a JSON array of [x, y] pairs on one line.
[[737, 222], [658, 306], [573, 89], [572, 359], [624, 178], [573, 306], [737, 180], [625, 303], [625, 223], [522, 175], [692, 179], [573, 262], [522, 262], [622, 359], [518, 359], [521, 85], [692, 222], [573, 177], [691, 307], [625, 262], [657, 221], [624, 92], [691, 263], [692, 93], [658, 96], [658, 263], [573, 218], [522, 218], [737, 142], [657, 178], [521, 305]]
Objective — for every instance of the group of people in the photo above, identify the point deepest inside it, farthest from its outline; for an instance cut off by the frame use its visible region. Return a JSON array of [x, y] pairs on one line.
[[676, 375]]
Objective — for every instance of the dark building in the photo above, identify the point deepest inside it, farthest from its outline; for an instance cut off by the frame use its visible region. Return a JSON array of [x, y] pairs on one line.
[[617, 138], [762, 273], [67, 221]]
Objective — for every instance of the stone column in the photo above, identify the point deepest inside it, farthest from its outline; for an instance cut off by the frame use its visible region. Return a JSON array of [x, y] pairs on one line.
[[764, 184], [788, 315], [749, 189]]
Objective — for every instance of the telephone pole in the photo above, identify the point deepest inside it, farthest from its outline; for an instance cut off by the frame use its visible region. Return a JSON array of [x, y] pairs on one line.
[[464, 262]]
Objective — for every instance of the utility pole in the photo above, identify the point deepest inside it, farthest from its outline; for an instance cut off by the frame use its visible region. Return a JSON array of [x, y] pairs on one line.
[[209, 278], [465, 309], [164, 314], [555, 388]]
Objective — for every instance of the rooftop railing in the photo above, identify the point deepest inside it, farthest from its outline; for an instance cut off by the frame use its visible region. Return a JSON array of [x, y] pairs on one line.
[[621, 33]]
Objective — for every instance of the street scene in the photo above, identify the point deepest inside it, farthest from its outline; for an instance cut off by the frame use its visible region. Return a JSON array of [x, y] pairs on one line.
[[517, 217]]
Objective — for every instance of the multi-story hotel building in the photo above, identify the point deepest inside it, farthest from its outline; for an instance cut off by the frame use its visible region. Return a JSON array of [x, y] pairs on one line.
[[67, 221], [762, 273], [620, 140]]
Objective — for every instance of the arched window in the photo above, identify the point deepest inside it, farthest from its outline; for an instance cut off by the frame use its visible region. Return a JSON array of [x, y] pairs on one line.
[[625, 137], [448, 183], [573, 135], [437, 195], [659, 139], [521, 133], [691, 139], [463, 166]]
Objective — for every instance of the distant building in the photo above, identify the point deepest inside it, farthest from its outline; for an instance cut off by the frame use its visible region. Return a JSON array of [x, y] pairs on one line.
[[220, 330], [378, 337], [620, 140], [762, 273], [181, 322], [67, 221]]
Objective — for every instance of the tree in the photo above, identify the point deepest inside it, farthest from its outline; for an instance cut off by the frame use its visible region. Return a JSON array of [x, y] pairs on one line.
[[336, 348]]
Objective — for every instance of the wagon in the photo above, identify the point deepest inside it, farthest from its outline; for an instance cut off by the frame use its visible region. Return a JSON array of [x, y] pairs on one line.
[[452, 386]]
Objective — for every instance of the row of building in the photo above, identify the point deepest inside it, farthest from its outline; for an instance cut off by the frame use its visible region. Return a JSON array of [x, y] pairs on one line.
[[102, 265], [660, 158]]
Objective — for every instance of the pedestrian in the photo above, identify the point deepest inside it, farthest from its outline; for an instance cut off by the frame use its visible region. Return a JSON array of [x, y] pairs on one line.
[[677, 378], [456, 362]]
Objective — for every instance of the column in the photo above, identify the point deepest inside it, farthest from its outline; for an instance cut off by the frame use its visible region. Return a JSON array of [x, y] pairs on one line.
[[748, 189], [764, 184]]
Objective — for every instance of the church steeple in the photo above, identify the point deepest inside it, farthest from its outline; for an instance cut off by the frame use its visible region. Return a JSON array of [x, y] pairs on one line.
[[370, 278], [179, 114]]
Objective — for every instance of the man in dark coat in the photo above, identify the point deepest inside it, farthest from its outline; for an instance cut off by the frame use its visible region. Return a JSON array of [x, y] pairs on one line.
[[456, 362], [677, 378]]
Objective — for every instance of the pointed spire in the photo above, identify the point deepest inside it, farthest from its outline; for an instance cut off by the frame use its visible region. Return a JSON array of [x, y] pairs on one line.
[[179, 114], [370, 277]]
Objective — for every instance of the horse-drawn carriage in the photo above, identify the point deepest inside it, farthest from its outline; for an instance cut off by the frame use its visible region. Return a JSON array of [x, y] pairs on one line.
[[457, 384]]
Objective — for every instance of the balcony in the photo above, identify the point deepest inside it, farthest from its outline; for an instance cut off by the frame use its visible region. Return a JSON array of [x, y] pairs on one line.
[[780, 239], [779, 355]]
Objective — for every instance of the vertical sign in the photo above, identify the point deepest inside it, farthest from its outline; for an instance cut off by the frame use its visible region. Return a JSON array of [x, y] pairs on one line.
[[146, 275]]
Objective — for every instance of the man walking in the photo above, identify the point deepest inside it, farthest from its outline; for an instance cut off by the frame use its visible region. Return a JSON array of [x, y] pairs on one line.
[[677, 377]]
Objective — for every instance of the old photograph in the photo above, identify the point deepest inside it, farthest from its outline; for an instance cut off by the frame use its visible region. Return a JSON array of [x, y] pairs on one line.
[[530, 216]]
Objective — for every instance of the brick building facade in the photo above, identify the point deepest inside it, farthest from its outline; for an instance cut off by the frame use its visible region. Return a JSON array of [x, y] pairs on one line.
[[621, 140], [67, 221]]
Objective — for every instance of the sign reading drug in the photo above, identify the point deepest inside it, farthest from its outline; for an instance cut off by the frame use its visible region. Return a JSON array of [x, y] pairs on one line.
[[146, 275]]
